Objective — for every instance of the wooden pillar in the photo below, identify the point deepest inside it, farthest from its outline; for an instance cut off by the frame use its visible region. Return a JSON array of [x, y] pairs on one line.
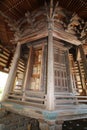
[[50, 71], [12, 72]]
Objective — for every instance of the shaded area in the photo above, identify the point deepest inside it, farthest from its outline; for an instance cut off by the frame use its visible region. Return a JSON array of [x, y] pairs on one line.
[[75, 125]]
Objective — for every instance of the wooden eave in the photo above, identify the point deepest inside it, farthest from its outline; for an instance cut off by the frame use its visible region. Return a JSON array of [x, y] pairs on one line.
[[34, 37], [59, 34], [62, 35]]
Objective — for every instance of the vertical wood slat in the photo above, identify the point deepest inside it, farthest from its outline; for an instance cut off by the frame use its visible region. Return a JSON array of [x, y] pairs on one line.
[[42, 68], [12, 73], [45, 69]]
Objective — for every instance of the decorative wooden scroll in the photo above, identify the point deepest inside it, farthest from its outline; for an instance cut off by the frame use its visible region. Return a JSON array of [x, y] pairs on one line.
[[74, 23]]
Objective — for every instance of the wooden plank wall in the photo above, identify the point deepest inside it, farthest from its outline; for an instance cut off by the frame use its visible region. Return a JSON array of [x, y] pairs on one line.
[[5, 59]]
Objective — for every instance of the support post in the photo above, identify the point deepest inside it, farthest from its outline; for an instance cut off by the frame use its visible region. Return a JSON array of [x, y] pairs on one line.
[[12, 72], [50, 73]]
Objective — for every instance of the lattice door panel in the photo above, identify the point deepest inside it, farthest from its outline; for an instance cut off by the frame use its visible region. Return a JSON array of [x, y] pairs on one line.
[[60, 70]]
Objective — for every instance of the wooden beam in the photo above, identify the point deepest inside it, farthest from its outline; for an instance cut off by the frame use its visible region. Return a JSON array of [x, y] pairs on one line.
[[34, 37], [12, 73], [62, 35]]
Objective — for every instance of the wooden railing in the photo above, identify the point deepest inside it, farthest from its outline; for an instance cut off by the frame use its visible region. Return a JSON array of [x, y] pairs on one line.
[[69, 100], [29, 99]]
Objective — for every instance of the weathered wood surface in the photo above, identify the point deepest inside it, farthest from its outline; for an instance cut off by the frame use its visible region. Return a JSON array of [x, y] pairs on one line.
[[61, 34], [27, 75], [12, 72], [75, 112], [5, 59], [59, 17], [83, 57], [34, 37], [37, 21], [50, 73], [22, 92]]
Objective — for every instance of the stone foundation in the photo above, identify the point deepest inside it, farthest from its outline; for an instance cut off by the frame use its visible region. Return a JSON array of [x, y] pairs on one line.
[[11, 121]]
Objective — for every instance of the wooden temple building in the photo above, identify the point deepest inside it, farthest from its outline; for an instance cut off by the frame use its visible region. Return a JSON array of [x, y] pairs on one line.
[[43, 48]]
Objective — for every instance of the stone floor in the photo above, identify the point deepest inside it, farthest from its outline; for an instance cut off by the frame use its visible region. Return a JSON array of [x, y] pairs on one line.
[[10, 121]]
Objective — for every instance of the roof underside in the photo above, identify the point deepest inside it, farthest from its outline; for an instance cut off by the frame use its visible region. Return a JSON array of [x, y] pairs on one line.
[[16, 9]]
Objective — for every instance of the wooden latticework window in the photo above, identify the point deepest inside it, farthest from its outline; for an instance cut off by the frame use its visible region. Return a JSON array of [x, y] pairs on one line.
[[61, 72]]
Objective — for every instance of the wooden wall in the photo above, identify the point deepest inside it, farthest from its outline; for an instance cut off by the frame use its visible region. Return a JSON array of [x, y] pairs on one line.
[[5, 59]]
